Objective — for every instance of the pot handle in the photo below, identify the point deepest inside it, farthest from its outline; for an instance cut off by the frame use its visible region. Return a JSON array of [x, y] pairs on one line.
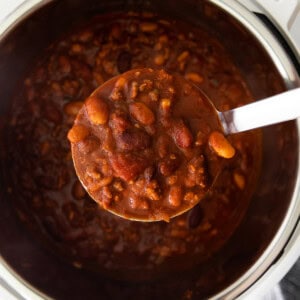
[[284, 13]]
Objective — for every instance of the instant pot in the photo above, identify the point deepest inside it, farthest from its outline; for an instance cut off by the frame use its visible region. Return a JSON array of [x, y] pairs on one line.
[[259, 35]]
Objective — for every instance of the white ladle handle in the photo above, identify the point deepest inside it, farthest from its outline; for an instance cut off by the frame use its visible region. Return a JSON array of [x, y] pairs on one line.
[[276, 109]]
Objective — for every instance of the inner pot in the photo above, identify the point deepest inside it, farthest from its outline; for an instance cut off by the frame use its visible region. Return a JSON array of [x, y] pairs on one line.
[[273, 211]]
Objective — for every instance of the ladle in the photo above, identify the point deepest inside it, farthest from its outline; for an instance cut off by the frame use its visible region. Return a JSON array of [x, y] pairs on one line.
[[276, 109]]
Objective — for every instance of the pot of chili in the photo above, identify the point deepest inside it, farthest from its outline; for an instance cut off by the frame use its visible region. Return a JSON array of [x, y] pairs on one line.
[[55, 241]]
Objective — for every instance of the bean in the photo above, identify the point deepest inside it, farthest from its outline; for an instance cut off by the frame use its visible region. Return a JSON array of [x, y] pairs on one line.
[[70, 87], [192, 76], [142, 113], [77, 133], [120, 83], [220, 145], [133, 139], [162, 145], [77, 48], [239, 180], [108, 66], [134, 90], [183, 56], [175, 196], [85, 36], [148, 27], [159, 59], [163, 38], [72, 108], [128, 166], [181, 134], [195, 216], [97, 110]]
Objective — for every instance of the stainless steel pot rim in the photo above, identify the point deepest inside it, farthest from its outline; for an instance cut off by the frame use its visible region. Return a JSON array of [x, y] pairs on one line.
[[287, 71], [286, 238]]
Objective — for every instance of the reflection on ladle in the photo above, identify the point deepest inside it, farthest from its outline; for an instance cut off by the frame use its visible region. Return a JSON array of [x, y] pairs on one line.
[[148, 146]]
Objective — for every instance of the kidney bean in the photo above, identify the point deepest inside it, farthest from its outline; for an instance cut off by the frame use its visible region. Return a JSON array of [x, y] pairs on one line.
[[239, 180], [162, 145], [97, 110], [77, 48], [127, 165], [148, 27], [134, 89], [220, 145], [72, 108], [183, 56], [77, 133], [133, 139], [181, 134], [159, 59], [195, 216], [85, 36], [142, 113], [194, 77]]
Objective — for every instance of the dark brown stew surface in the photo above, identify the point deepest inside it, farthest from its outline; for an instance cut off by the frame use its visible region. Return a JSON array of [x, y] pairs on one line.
[[42, 181], [140, 145]]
